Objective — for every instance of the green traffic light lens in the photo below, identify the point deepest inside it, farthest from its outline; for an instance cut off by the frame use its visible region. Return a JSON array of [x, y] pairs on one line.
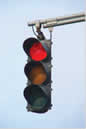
[[39, 103], [36, 97]]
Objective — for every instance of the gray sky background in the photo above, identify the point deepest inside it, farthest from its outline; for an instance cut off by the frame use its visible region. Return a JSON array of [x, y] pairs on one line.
[[68, 96]]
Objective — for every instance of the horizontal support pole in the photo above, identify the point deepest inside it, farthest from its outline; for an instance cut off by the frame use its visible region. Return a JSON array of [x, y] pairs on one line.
[[64, 22], [73, 16]]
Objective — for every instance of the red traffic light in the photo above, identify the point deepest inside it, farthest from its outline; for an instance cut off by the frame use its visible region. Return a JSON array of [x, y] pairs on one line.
[[37, 52], [35, 49]]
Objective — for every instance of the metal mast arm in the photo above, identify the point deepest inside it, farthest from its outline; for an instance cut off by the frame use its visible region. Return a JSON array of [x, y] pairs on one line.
[[64, 22], [51, 22]]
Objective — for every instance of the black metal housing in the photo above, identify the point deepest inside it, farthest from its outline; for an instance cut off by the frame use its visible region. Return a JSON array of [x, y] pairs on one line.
[[45, 87]]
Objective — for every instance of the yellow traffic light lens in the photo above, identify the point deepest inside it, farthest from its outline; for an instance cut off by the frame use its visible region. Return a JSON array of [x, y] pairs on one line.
[[38, 75], [39, 79]]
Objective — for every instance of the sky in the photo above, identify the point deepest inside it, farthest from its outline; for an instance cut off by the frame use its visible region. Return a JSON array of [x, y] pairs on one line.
[[68, 73]]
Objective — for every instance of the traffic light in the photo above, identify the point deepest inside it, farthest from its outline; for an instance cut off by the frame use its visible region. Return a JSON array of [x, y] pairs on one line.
[[38, 73]]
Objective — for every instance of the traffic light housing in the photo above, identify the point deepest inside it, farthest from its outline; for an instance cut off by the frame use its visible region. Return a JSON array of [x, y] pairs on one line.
[[38, 73]]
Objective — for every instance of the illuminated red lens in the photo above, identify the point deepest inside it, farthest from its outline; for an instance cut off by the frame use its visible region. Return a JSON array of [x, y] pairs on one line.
[[37, 52]]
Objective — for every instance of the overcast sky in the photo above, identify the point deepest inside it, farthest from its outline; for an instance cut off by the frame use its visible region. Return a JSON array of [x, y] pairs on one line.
[[68, 96]]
